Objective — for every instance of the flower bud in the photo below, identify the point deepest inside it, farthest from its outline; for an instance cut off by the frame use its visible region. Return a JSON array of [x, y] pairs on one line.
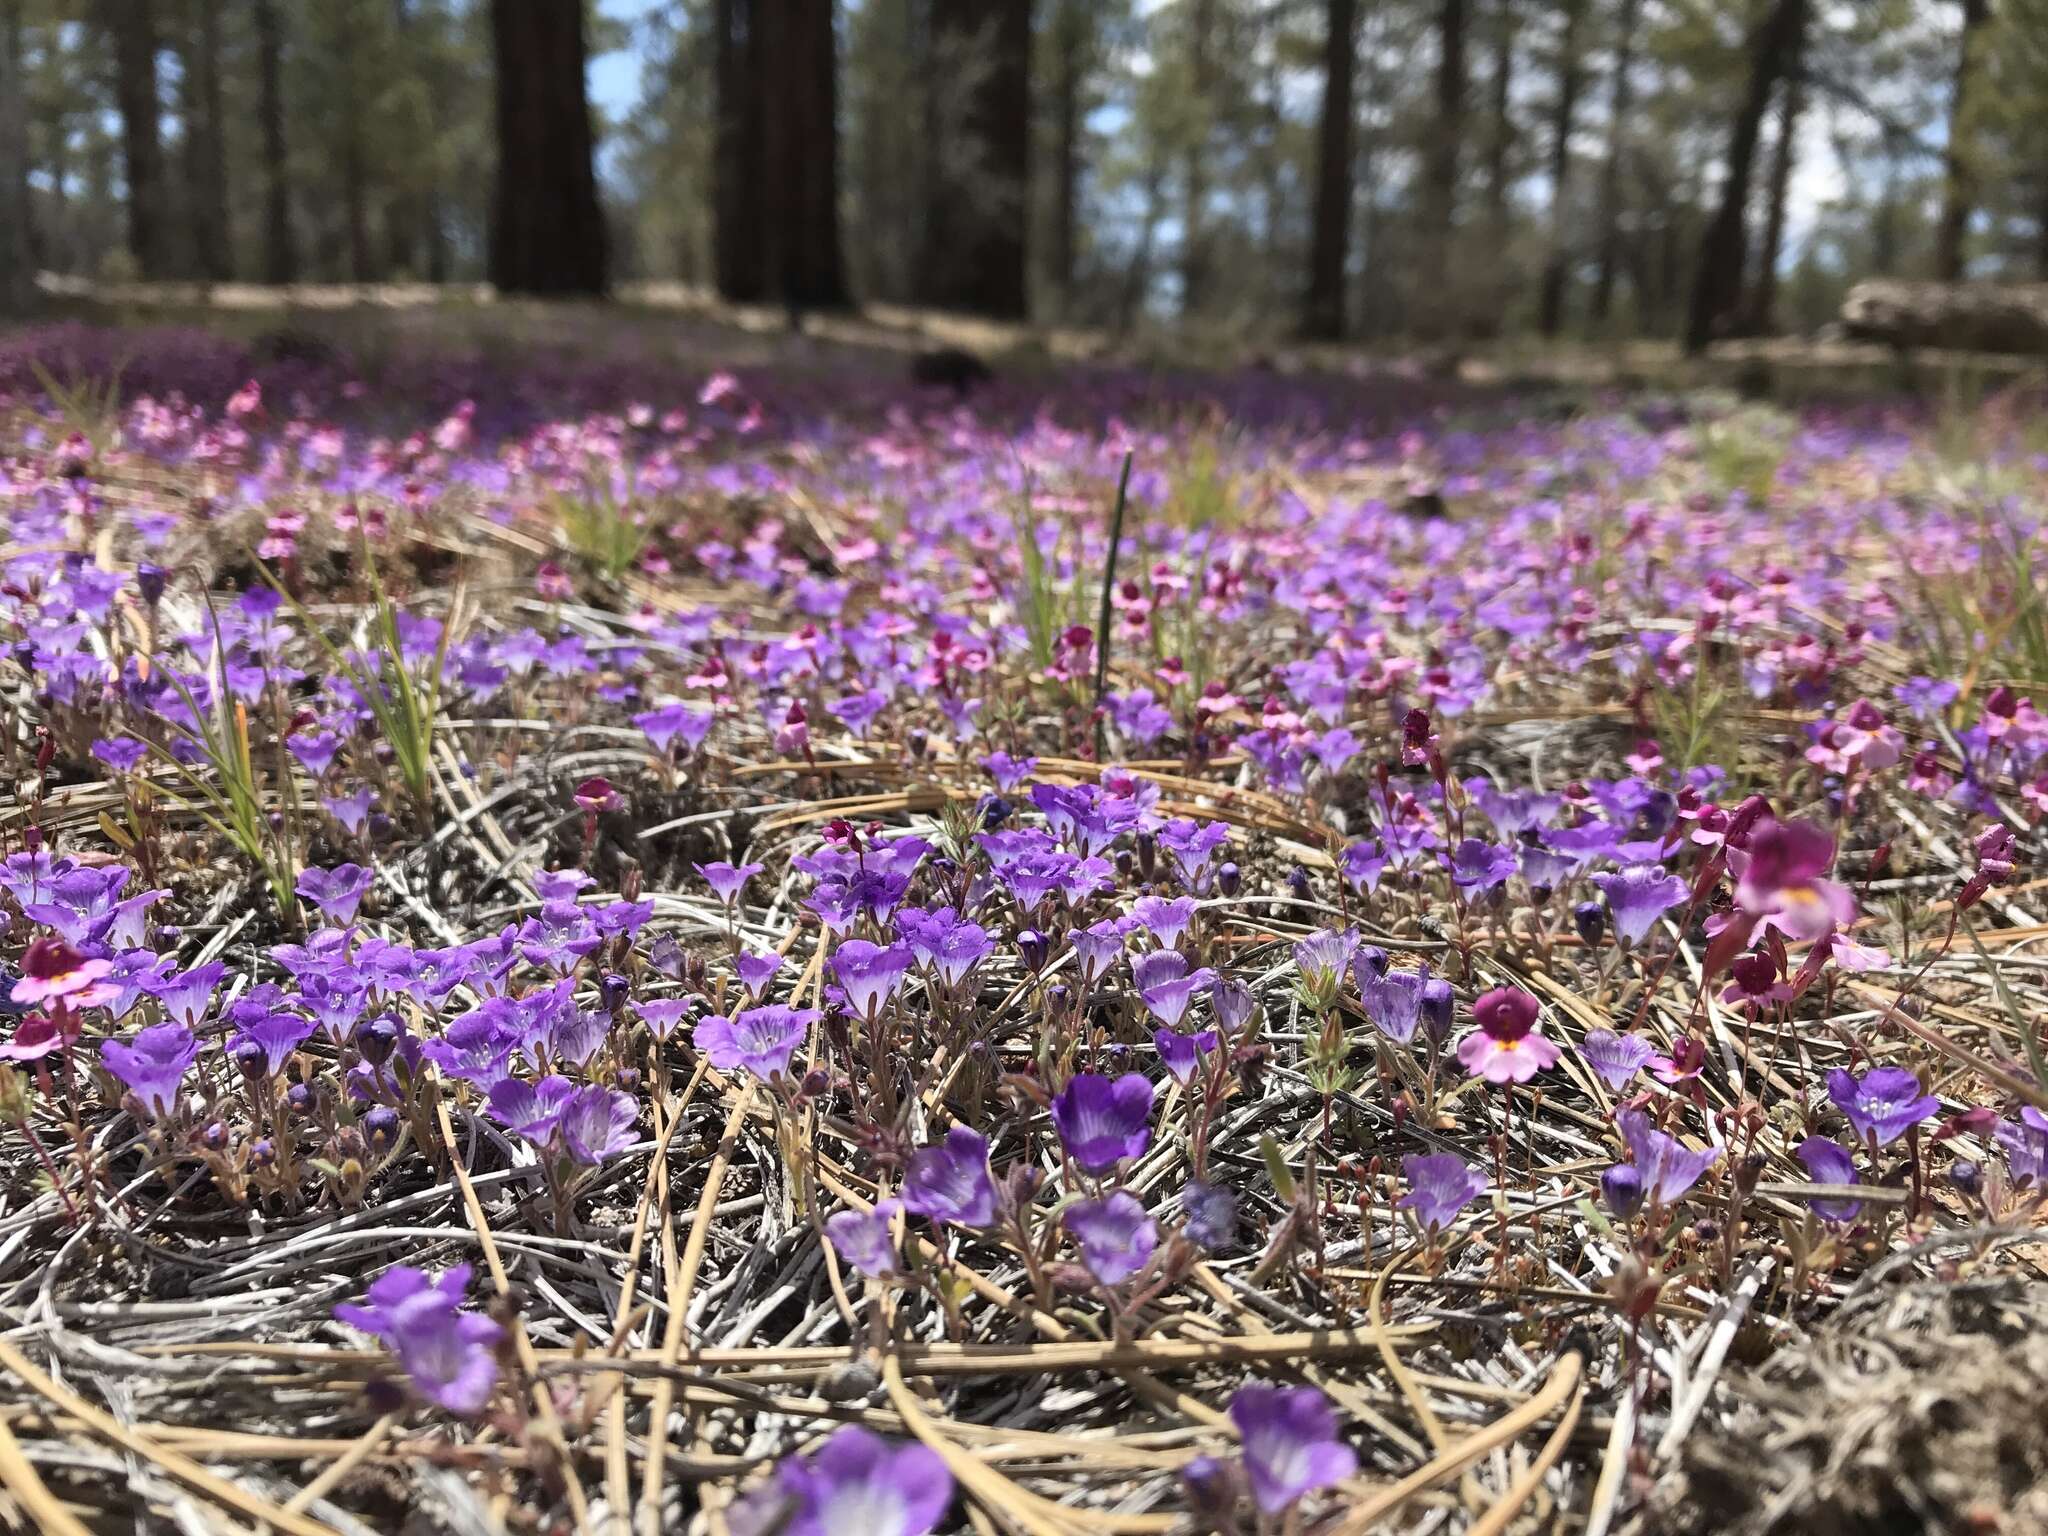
[[380, 1128], [1035, 948], [149, 583], [1229, 879], [253, 1060], [1297, 884], [612, 990], [1438, 1005], [1622, 1188], [1590, 918], [300, 1097], [1967, 1176], [377, 1039]]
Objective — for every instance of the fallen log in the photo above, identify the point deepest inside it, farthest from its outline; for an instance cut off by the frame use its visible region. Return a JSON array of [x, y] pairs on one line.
[[1964, 317]]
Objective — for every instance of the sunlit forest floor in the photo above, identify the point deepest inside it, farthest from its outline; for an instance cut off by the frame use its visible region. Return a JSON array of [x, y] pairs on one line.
[[614, 918]]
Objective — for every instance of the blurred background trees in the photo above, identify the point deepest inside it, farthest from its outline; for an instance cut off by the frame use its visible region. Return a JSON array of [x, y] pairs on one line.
[[1368, 169]]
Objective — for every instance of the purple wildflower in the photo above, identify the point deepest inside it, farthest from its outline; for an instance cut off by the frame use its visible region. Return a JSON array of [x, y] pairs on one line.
[[1882, 1103], [1668, 1170], [951, 1181], [2026, 1147], [661, 1015], [944, 942], [1615, 1058], [1166, 920], [1101, 1120], [1829, 1162], [1440, 1184], [1182, 1054], [856, 1482], [275, 1036], [1638, 896], [756, 971], [870, 973], [1166, 986], [1477, 865], [1210, 1211], [153, 1065], [1115, 1235], [665, 726], [1098, 947], [1393, 1002], [1323, 957], [1290, 1444], [337, 892], [863, 1238], [758, 1040], [597, 1122], [727, 880], [449, 1354]]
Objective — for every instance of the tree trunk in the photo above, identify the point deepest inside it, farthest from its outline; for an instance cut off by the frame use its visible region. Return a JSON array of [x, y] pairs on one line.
[[1072, 48], [280, 254], [205, 148], [1717, 284], [1959, 180], [547, 230], [1440, 172], [17, 275], [1621, 93], [2041, 230], [1323, 314], [1784, 153], [974, 225], [1556, 264], [1502, 120], [132, 24], [776, 177], [1194, 232]]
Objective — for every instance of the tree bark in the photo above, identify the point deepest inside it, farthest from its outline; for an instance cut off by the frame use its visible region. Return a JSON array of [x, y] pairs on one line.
[[280, 253], [1621, 94], [1440, 170], [1071, 20], [1330, 242], [1970, 317], [1550, 310], [205, 149], [1784, 154], [547, 230], [17, 274], [1502, 124], [739, 168], [1717, 283], [1959, 177], [1194, 232], [132, 25], [975, 224]]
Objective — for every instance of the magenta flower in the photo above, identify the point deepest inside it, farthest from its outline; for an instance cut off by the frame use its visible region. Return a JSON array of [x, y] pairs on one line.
[[52, 969], [1102, 1121], [1115, 1236], [1883, 1103], [1290, 1444], [856, 1484], [951, 1181], [863, 1238], [1638, 896], [1440, 1184], [153, 1065], [449, 1354], [758, 1040], [1782, 884], [1507, 1047], [1615, 1058]]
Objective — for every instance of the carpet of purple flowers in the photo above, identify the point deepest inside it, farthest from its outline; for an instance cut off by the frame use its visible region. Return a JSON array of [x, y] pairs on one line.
[[766, 954]]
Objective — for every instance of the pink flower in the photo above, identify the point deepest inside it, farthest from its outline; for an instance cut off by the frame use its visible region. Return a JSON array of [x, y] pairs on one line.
[[52, 969], [1507, 1047], [1781, 884]]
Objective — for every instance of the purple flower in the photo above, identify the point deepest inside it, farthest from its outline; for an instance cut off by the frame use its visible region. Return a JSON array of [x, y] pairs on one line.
[[1232, 1003], [597, 1122], [870, 973], [1210, 1211], [1182, 1054], [663, 727], [121, 754], [662, 1015], [727, 880], [1668, 1170], [863, 1238], [477, 1047], [1440, 1184], [856, 1484], [1290, 1443], [1323, 957], [351, 812], [1166, 986], [532, 1110], [759, 1040], [2026, 1146], [1882, 1103], [1393, 1002], [1362, 864], [153, 1065], [943, 942], [1638, 896], [1115, 1235], [951, 1181], [756, 971], [1477, 865], [1098, 947], [337, 892], [1615, 1058], [276, 1036], [1165, 920], [449, 1354], [1828, 1162], [1101, 1121]]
